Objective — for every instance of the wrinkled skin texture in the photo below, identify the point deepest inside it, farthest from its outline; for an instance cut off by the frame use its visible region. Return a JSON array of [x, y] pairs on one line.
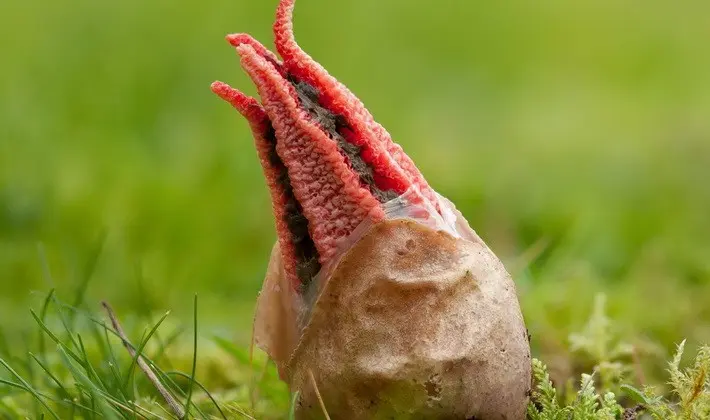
[[407, 321], [415, 324]]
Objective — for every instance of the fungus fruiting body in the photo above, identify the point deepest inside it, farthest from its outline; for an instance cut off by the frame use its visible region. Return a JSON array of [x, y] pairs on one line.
[[328, 164], [413, 316]]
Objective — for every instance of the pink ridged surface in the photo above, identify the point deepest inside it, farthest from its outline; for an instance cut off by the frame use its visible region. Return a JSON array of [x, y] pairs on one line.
[[329, 191], [260, 125], [238, 39], [396, 166], [332, 196]]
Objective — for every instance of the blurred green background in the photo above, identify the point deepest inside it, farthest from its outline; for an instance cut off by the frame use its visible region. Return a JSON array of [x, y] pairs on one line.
[[574, 136]]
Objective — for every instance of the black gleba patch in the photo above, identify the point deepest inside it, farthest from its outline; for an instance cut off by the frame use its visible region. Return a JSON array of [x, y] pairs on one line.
[[332, 124], [307, 257]]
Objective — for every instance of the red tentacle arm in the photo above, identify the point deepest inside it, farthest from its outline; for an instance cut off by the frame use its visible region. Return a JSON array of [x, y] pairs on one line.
[[329, 166]]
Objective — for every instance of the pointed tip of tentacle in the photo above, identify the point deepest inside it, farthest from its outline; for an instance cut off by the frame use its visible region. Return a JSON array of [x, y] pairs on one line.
[[265, 76], [235, 97], [261, 126], [253, 63], [236, 40], [284, 38], [246, 105], [334, 199]]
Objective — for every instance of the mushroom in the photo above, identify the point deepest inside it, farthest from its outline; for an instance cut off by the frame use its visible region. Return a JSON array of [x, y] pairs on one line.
[[379, 298]]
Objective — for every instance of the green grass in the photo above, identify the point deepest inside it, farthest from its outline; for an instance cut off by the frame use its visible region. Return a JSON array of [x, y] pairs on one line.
[[97, 377], [88, 381], [573, 135]]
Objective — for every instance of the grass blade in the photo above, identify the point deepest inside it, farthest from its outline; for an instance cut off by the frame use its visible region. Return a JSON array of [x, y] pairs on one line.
[[48, 277], [139, 350], [94, 391], [167, 396], [194, 360], [294, 401], [29, 389], [43, 316], [204, 389], [53, 337], [54, 379]]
